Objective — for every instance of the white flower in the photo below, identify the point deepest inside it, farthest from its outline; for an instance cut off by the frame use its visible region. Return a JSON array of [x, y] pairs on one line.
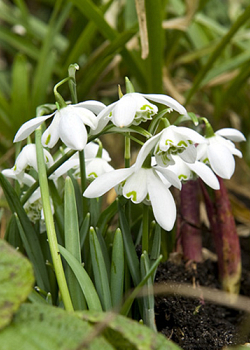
[[141, 185], [27, 158], [134, 108], [185, 171], [218, 151], [173, 140], [94, 166], [68, 125]]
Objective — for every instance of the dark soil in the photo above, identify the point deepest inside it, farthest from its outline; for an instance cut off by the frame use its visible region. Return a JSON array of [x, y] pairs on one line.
[[198, 324]]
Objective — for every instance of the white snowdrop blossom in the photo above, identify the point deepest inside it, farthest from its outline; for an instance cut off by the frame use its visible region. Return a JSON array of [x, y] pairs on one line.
[[173, 140], [219, 150], [27, 159], [186, 171], [68, 125], [142, 185], [134, 108], [94, 166]]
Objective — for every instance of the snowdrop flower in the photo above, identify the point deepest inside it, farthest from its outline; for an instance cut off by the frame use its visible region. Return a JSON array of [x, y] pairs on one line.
[[134, 108], [219, 151], [173, 140], [94, 165], [186, 171], [68, 125], [141, 184], [27, 158]]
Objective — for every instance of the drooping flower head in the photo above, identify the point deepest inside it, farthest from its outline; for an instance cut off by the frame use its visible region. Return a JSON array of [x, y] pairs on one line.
[[68, 125], [219, 150]]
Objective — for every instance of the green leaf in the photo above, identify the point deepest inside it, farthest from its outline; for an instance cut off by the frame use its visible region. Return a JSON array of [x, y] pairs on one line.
[[84, 280], [100, 271], [34, 248], [117, 269], [72, 243], [131, 256], [16, 280], [124, 333], [40, 327], [154, 12]]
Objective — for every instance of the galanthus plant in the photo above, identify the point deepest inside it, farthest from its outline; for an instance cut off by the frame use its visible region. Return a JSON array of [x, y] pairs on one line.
[[90, 243]]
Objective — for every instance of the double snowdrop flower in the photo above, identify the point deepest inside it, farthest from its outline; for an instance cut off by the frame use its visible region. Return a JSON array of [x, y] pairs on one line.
[[68, 125], [173, 140], [134, 108], [219, 151], [142, 184]]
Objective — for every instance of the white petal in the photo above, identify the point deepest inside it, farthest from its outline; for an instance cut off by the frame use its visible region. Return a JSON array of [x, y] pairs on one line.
[[231, 134], [96, 167], [189, 155], [94, 106], [168, 101], [102, 119], [190, 134], [206, 174], [28, 127], [180, 168], [73, 132], [202, 151], [136, 186], [221, 160], [51, 134], [170, 176], [162, 201], [86, 116], [143, 105], [26, 157], [106, 181], [145, 150], [124, 111], [91, 149], [66, 166], [228, 144]]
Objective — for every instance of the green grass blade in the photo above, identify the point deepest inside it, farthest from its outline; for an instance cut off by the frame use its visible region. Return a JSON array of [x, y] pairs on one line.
[[100, 271], [117, 269], [84, 280]]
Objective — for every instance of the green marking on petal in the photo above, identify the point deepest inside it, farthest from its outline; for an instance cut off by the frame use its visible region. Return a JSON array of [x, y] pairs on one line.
[[15, 167], [182, 142], [132, 195], [168, 142], [190, 142], [46, 159], [144, 107], [93, 174], [48, 139], [182, 177], [206, 160]]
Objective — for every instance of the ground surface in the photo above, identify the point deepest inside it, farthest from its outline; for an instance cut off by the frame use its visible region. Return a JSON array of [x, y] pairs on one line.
[[195, 324]]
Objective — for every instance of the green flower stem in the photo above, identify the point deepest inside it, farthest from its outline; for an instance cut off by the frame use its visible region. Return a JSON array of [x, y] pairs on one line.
[[127, 150], [145, 228], [56, 257], [83, 182]]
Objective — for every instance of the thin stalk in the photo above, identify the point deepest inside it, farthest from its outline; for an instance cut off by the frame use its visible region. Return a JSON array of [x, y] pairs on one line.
[[83, 182], [145, 228], [127, 150], [56, 257]]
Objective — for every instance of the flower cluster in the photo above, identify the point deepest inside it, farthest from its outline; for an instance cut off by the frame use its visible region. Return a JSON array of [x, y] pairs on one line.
[[168, 157]]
